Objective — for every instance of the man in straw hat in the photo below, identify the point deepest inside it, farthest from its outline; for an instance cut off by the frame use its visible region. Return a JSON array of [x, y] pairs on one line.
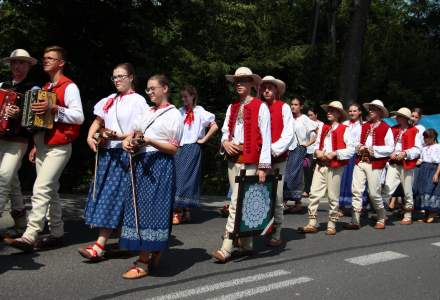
[[403, 160], [375, 145], [333, 150], [13, 148], [282, 129], [246, 140], [51, 153]]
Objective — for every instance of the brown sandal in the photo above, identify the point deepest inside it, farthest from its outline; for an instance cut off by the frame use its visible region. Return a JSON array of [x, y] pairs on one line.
[[135, 271], [308, 229]]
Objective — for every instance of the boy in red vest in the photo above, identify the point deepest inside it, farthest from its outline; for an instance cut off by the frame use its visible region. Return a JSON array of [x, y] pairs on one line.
[[373, 150], [246, 140], [51, 153], [407, 149], [333, 150], [282, 130]]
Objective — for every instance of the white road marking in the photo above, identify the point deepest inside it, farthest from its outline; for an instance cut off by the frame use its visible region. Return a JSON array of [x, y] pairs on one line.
[[436, 244], [375, 258], [263, 289], [225, 284]]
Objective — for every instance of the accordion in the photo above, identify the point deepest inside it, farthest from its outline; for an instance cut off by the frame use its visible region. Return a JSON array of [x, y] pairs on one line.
[[31, 120], [9, 126]]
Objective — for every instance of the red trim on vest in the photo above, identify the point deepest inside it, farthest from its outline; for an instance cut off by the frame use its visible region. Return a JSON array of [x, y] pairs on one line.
[[338, 143], [61, 133], [276, 121], [378, 136], [252, 135], [408, 141]]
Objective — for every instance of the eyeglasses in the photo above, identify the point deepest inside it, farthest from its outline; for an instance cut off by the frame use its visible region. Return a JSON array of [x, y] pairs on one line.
[[118, 77], [151, 89], [49, 58]]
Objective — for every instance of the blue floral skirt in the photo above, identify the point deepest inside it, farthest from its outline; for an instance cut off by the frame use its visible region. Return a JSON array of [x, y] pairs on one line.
[[292, 189], [105, 208], [155, 183], [346, 194], [188, 161], [426, 193]]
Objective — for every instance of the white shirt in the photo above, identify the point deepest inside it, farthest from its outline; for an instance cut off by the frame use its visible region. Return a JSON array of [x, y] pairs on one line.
[[431, 154], [304, 128], [287, 135], [413, 152], [72, 113], [165, 125], [355, 129], [311, 149], [380, 151], [202, 119], [421, 129], [341, 154], [263, 125], [121, 114]]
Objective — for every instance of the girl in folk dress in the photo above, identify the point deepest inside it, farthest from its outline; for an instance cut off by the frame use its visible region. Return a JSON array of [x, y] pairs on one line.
[[188, 159], [113, 122], [426, 186], [147, 217]]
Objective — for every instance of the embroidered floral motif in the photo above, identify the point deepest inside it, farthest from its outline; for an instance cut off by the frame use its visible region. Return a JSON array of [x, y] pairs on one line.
[[256, 205], [159, 235]]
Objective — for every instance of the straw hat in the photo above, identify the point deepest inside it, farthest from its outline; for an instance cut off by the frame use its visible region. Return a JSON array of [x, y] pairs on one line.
[[244, 72], [335, 105], [20, 54], [402, 112], [378, 104], [281, 86]]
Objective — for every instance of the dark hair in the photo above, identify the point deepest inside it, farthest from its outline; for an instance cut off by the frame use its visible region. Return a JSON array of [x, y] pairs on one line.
[[299, 98], [430, 133], [418, 110], [162, 79], [359, 107], [130, 71], [190, 89], [60, 50]]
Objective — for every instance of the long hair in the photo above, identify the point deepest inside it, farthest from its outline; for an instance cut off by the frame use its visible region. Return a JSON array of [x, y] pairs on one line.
[[190, 89]]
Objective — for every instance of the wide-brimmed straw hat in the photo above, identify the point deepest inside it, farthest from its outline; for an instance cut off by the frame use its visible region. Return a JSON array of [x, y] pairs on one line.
[[378, 104], [20, 54], [335, 105], [244, 72], [281, 86], [402, 112]]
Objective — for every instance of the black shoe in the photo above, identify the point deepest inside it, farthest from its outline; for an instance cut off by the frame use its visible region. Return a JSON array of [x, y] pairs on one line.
[[20, 243], [49, 242]]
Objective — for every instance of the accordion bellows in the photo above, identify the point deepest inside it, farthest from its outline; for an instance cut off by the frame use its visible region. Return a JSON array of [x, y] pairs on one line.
[[34, 121]]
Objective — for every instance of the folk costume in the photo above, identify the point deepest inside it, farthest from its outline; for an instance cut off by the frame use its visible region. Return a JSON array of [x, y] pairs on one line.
[[282, 134], [378, 138], [147, 221], [328, 173], [189, 156], [107, 196], [12, 150], [408, 142], [310, 161]]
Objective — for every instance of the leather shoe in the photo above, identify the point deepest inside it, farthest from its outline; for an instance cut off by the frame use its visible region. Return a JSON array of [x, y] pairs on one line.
[[19, 244], [406, 222], [49, 242], [379, 225], [308, 229], [330, 231], [220, 257], [351, 226]]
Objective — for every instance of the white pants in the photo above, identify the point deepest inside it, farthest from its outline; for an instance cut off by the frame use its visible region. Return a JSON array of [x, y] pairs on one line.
[[50, 162], [279, 203], [396, 174], [326, 180], [11, 154]]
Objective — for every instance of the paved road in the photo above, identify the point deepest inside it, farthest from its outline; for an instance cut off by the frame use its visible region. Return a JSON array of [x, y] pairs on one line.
[[401, 262]]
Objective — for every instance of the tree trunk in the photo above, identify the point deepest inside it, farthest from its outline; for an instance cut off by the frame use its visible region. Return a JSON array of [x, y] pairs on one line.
[[351, 64], [315, 23]]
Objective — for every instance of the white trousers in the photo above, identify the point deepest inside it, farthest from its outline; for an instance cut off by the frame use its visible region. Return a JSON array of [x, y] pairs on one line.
[[396, 174], [11, 154], [279, 203], [50, 162]]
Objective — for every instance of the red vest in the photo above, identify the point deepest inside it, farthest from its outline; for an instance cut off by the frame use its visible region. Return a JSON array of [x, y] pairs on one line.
[[61, 133], [337, 143], [378, 136], [252, 136], [276, 121], [408, 141]]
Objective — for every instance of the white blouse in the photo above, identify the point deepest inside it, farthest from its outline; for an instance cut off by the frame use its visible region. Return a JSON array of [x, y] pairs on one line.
[[311, 149], [263, 125], [121, 114], [164, 125], [304, 128], [431, 154], [341, 154], [287, 135], [355, 129], [202, 119]]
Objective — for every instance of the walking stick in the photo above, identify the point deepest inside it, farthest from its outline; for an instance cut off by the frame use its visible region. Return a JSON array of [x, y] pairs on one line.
[[97, 137], [133, 188]]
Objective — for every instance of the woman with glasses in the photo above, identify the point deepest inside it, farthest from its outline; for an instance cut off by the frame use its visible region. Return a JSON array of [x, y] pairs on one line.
[[111, 184], [188, 159], [155, 141]]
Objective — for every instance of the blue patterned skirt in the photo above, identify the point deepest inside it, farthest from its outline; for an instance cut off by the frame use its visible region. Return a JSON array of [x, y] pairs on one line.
[[426, 193], [155, 180], [188, 161], [112, 188], [292, 189], [346, 194]]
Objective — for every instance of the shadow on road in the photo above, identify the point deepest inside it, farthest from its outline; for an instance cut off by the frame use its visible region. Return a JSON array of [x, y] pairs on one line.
[[19, 262]]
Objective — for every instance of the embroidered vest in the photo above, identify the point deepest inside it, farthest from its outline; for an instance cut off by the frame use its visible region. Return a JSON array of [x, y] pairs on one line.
[[378, 136], [408, 141], [338, 143], [276, 122]]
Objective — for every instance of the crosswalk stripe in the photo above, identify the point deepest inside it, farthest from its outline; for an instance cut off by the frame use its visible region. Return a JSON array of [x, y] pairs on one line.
[[221, 285], [436, 244], [375, 258], [263, 289]]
